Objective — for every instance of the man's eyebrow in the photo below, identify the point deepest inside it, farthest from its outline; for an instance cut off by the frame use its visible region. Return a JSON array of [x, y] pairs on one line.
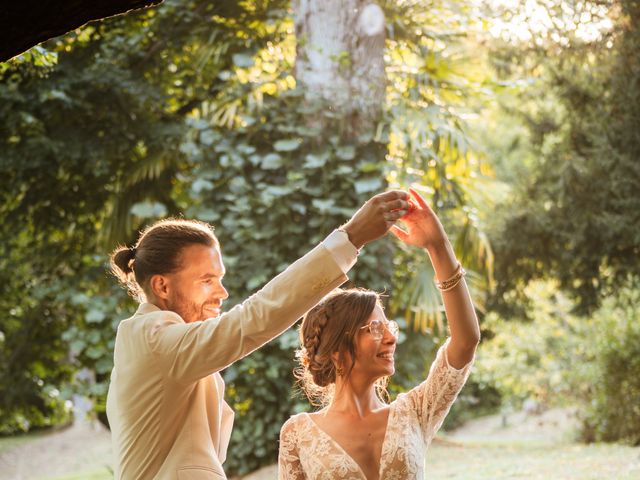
[[212, 275]]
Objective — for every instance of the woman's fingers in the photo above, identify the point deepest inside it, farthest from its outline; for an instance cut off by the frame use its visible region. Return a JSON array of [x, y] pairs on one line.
[[421, 201]]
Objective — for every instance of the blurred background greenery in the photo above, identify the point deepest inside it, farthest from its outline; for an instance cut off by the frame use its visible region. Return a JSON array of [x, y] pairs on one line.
[[520, 122]]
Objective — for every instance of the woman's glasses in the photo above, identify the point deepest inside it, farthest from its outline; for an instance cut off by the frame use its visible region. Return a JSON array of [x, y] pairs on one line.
[[377, 328]]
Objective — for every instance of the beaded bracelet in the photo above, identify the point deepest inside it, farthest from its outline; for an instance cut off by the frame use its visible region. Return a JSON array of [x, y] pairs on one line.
[[451, 283]]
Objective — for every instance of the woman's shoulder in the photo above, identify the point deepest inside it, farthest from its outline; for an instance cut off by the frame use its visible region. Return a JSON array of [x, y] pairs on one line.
[[293, 428], [294, 421]]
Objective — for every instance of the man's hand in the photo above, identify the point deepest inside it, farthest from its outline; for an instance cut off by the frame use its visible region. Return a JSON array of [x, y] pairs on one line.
[[376, 217]]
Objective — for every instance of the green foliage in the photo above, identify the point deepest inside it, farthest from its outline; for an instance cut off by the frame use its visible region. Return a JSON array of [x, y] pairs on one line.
[[190, 109], [573, 213], [536, 356], [84, 143], [558, 358], [613, 413]]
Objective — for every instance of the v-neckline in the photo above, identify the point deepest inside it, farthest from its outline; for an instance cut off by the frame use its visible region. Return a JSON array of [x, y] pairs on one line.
[[335, 442]]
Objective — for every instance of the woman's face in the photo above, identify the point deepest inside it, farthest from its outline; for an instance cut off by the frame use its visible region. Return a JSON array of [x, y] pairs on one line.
[[375, 347]]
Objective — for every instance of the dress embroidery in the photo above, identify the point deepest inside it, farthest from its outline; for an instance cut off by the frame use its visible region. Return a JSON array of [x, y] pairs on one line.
[[307, 452]]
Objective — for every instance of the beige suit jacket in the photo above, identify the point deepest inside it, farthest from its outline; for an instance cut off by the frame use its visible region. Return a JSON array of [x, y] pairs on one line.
[[165, 403]]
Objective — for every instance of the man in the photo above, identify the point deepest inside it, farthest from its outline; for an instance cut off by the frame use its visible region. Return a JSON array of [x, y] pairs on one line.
[[165, 403]]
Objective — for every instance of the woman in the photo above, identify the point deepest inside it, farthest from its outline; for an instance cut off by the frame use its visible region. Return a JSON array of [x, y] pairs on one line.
[[345, 358]]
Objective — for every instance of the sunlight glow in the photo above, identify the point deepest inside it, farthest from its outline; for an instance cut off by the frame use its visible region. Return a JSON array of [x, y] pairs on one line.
[[532, 20]]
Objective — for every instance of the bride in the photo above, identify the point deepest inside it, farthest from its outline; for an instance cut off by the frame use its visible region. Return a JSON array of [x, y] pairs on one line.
[[346, 357]]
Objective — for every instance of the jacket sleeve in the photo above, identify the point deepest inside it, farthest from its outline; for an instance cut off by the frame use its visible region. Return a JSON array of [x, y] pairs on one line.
[[192, 351]]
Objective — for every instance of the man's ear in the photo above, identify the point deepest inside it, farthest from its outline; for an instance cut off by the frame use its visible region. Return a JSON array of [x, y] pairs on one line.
[[160, 286]]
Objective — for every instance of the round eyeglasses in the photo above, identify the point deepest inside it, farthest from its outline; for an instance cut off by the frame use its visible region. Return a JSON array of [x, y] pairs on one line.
[[377, 328]]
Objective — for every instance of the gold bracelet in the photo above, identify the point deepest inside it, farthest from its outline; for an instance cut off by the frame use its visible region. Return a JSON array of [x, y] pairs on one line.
[[451, 283]]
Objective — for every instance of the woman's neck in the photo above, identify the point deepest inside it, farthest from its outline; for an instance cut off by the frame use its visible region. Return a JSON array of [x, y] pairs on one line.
[[355, 399]]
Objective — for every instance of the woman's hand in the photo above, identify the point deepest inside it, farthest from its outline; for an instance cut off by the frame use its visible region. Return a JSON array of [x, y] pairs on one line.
[[423, 228]]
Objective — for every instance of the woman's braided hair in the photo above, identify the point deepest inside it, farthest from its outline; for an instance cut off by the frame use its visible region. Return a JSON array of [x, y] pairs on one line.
[[329, 327]]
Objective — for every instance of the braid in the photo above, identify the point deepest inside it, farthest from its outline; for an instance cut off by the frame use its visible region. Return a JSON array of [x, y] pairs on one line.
[[322, 369]]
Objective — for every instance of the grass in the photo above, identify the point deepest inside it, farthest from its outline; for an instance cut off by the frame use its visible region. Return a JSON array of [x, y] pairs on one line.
[[533, 461], [101, 474], [9, 443], [472, 458]]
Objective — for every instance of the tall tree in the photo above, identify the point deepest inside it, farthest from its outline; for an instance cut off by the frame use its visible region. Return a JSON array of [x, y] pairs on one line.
[[573, 216], [340, 58]]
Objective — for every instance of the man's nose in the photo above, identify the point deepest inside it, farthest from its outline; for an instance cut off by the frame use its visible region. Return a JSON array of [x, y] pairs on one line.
[[223, 293]]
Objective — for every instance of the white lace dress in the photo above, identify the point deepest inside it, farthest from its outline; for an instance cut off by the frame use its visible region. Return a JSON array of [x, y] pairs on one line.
[[307, 452]]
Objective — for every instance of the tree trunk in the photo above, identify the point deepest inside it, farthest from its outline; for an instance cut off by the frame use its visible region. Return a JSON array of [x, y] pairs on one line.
[[340, 57], [25, 23]]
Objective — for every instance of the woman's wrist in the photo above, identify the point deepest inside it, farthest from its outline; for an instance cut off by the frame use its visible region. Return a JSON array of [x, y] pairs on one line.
[[443, 259], [439, 248]]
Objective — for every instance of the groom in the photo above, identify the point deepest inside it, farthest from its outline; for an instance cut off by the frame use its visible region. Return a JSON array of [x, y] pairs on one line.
[[165, 403]]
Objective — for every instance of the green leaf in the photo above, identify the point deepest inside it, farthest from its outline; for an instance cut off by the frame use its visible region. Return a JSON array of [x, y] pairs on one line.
[[77, 346], [369, 185], [347, 152], [200, 185], [198, 123], [207, 215], [278, 191], [368, 167], [271, 161], [287, 145], [190, 149], [323, 205], [243, 60], [149, 209], [298, 207], [256, 281], [344, 170], [104, 365], [95, 316], [208, 137], [94, 352], [315, 161]]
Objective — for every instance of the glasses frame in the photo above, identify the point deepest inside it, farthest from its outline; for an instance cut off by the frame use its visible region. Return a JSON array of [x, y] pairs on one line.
[[390, 326]]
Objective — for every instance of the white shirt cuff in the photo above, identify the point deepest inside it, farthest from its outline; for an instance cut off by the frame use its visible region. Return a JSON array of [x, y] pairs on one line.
[[343, 251]]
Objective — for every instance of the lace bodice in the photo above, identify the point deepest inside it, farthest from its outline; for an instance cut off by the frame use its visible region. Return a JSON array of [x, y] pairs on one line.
[[307, 452]]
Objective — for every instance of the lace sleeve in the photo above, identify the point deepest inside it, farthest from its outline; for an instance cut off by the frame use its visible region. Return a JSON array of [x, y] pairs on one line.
[[289, 466], [432, 399]]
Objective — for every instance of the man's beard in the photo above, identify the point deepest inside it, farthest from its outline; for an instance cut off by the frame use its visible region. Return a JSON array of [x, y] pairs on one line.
[[189, 311]]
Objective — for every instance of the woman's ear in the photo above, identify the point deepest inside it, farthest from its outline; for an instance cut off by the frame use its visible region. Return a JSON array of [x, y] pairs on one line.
[[335, 358]]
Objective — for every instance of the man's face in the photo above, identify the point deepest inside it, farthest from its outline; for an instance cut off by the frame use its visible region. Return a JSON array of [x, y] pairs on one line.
[[195, 291]]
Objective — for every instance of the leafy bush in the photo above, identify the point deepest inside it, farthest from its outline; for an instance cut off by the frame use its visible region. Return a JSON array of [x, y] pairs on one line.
[[558, 358], [613, 413], [533, 357]]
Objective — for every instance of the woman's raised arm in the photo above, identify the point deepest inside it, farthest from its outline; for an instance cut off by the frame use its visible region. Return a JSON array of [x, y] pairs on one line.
[[424, 230]]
